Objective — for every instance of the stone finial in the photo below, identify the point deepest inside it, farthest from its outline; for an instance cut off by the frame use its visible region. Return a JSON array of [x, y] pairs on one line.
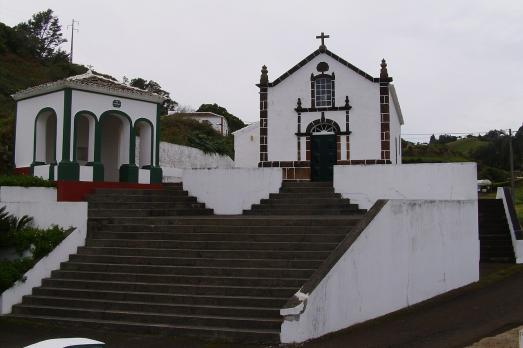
[[347, 102], [264, 78], [384, 73], [298, 107]]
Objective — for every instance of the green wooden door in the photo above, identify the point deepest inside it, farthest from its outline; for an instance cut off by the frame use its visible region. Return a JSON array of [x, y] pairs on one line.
[[323, 157]]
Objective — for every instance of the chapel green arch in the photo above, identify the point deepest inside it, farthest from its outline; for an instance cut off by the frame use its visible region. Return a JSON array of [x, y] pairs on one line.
[[142, 119], [38, 115], [75, 132], [128, 172]]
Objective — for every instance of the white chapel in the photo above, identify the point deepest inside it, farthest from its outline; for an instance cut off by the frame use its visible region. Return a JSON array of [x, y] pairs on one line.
[[322, 112]]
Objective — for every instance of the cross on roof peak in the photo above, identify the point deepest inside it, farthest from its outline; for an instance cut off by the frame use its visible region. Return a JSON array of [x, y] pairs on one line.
[[322, 37]]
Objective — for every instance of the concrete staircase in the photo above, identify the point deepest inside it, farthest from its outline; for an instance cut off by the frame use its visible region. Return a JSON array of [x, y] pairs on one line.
[[305, 198], [157, 262], [494, 233]]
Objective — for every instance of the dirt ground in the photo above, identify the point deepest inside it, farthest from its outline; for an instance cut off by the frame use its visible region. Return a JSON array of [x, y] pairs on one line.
[[509, 339]]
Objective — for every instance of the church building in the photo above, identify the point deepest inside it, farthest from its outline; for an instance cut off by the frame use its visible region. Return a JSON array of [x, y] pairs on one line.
[[322, 112]]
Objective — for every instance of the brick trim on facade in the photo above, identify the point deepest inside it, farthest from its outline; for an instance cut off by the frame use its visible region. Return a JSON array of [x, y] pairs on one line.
[[264, 83], [384, 112]]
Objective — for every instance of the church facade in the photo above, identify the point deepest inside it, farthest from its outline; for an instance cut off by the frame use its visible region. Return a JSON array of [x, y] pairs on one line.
[[323, 112]]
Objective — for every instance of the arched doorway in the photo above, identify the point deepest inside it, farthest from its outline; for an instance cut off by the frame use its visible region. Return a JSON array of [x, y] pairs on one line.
[[114, 144], [84, 137], [45, 137], [144, 132], [324, 148]]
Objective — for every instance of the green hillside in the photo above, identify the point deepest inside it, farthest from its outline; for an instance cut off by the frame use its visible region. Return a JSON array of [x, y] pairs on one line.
[[23, 64]]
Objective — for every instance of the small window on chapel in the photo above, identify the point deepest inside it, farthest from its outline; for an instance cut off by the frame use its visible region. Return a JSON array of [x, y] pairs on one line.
[[323, 90]]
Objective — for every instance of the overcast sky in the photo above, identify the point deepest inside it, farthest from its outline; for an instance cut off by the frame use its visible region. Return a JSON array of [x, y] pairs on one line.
[[457, 65]]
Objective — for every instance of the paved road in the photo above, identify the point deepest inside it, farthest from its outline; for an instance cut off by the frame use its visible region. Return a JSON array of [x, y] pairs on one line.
[[452, 320]]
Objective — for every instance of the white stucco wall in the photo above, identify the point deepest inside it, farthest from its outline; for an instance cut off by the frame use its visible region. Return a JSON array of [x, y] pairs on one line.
[[366, 184], [230, 191], [395, 134], [247, 146], [179, 156], [26, 113], [410, 252], [46, 211], [364, 115], [16, 194], [517, 244]]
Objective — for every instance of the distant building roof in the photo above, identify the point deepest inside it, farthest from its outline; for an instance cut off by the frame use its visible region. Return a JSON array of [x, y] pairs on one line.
[[91, 82]]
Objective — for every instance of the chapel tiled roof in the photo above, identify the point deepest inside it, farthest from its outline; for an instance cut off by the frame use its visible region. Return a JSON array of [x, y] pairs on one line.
[[91, 82]]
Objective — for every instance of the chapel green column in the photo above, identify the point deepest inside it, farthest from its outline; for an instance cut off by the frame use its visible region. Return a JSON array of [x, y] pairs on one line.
[[67, 169], [156, 173], [129, 172]]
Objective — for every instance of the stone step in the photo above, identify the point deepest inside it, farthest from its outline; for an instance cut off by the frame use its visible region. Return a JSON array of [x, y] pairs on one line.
[[229, 229], [226, 254], [308, 211], [300, 206], [208, 236], [179, 279], [146, 205], [211, 333], [237, 271], [198, 261], [140, 198], [203, 300], [148, 213], [192, 289], [303, 200], [301, 195], [306, 184], [133, 192], [131, 306], [290, 220], [213, 245], [146, 317], [309, 190]]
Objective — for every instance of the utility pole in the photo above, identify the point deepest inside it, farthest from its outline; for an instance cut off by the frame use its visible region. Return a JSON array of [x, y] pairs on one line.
[[72, 38], [511, 158]]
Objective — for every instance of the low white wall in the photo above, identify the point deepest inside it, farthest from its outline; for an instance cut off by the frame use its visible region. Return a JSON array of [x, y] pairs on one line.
[[230, 191], [364, 185], [411, 251], [144, 176], [172, 174], [517, 244], [178, 156], [86, 173], [45, 212], [41, 171], [27, 194], [247, 146]]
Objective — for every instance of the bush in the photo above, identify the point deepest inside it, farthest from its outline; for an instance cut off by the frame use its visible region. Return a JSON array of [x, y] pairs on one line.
[[24, 181], [16, 232], [12, 271]]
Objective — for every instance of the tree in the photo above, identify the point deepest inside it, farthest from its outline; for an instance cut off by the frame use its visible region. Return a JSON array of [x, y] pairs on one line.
[[234, 122], [44, 34], [154, 87], [432, 139]]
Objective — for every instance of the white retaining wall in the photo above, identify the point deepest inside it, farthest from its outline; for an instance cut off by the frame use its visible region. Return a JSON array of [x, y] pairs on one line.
[[41, 204], [517, 244], [364, 185], [179, 156], [411, 251], [230, 191]]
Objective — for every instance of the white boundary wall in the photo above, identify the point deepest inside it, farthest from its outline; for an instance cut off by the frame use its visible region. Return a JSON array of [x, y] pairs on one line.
[[179, 156], [411, 251], [230, 191], [517, 244], [41, 204], [364, 185]]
